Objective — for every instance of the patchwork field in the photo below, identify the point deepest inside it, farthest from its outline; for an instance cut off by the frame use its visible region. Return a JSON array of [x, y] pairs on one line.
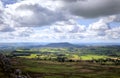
[[65, 62]]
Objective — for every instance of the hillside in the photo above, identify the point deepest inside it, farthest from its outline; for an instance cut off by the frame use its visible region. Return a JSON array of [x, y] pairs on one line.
[[65, 44]]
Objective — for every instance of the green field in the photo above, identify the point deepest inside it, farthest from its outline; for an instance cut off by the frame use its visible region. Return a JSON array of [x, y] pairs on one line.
[[83, 53], [50, 69], [84, 62], [90, 57], [74, 57]]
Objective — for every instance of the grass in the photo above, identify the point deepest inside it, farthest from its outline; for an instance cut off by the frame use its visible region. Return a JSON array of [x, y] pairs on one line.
[[31, 56], [53, 76], [72, 56], [49, 69], [90, 57], [2, 75]]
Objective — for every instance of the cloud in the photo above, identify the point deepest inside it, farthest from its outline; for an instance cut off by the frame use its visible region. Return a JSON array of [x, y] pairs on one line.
[[114, 33], [91, 9], [100, 30], [1, 12], [68, 27], [4, 27], [33, 13], [40, 20], [1, 5], [116, 18], [22, 32], [101, 25], [29, 13], [71, 31], [18, 35]]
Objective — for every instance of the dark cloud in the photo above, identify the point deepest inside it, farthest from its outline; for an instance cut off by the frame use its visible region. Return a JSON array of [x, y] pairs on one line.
[[5, 28], [92, 8], [39, 16]]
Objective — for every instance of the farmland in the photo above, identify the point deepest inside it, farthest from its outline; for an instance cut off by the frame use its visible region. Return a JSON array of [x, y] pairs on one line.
[[66, 62], [50, 69]]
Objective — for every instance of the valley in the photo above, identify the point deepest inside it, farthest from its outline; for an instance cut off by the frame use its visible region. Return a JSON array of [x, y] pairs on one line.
[[65, 60]]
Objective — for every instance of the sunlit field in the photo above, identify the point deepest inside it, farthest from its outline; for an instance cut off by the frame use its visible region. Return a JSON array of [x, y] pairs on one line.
[[65, 62]]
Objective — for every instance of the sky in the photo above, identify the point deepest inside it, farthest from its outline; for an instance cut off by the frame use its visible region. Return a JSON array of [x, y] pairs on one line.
[[76, 21]]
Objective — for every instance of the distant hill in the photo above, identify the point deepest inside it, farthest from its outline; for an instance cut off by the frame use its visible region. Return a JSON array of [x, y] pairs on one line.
[[65, 44], [59, 45]]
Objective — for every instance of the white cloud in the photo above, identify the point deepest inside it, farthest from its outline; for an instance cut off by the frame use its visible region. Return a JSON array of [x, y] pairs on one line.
[[4, 27], [31, 13], [66, 31], [101, 25], [1, 13], [116, 18], [23, 21], [114, 33], [68, 27], [1, 5], [22, 32]]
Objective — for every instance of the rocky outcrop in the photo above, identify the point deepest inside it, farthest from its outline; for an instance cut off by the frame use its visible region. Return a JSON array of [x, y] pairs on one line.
[[9, 70]]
